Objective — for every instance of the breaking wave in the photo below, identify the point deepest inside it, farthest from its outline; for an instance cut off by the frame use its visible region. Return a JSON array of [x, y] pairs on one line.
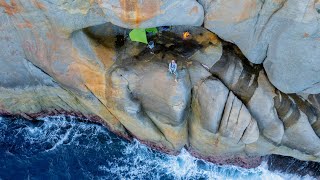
[[68, 148]]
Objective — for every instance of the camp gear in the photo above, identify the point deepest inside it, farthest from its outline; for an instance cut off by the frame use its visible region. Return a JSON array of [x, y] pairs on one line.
[[151, 45], [138, 35], [164, 28], [152, 31], [186, 35]]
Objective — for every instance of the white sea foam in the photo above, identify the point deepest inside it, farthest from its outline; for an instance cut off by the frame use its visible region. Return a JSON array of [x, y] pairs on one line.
[[184, 166], [59, 130], [137, 161]]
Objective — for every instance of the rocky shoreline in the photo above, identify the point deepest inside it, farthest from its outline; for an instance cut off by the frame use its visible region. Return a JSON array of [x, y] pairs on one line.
[[244, 162], [275, 162], [232, 102]]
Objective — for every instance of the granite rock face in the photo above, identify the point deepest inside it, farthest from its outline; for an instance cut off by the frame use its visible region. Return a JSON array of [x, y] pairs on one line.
[[66, 57], [282, 35], [151, 13], [219, 114]]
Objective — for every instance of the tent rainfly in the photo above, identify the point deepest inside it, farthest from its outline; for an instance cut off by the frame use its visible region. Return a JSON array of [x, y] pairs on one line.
[[140, 35]]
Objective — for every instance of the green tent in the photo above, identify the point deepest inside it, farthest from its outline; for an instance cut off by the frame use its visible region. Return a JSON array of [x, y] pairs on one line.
[[152, 30], [138, 35]]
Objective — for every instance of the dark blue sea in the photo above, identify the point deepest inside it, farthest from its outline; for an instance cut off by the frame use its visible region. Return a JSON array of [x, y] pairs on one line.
[[68, 148]]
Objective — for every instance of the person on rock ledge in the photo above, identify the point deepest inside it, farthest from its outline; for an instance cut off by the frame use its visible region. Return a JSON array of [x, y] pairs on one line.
[[173, 69]]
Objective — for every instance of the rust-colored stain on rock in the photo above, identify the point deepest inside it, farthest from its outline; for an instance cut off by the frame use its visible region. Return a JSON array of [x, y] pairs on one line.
[[39, 5], [306, 35], [26, 24], [207, 37], [137, 11], [194, 10], [91, 76], [11, 8], [234, 11]]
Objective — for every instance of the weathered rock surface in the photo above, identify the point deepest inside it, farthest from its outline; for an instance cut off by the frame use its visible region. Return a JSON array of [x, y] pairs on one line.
[[150, 13], [251, 85], [218, 113], [222, 107], [283, 35], [147, 107]]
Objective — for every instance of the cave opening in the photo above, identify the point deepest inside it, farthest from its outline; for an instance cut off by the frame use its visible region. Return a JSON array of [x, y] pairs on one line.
[[169, 44]]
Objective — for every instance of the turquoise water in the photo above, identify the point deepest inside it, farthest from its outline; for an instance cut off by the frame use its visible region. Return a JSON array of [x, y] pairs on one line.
[[68, 148]]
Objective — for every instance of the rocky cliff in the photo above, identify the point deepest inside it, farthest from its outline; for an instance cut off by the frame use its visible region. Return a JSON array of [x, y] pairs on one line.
[[229, 104]]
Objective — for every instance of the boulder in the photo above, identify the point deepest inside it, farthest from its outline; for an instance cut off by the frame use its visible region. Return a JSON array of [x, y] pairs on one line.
[[314, 102], [150, 101], [261, 106], [237, 122], [283, 35], [210, 96], [237, 73], [211, 50], [152, 13], [298, 132], [251, 85], [220, 124], [197, 73], [301, 136]]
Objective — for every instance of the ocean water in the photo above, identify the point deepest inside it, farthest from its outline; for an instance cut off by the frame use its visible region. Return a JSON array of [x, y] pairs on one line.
[[68, 148]]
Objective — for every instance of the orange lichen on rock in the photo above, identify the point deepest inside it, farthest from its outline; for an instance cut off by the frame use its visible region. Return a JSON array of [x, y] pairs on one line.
[[234, 11], [106, 55], [49, 35], [11, 8], [135, 11], [26, 24], [39, 5], [90, 75], [194, 10], [207, 37]]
